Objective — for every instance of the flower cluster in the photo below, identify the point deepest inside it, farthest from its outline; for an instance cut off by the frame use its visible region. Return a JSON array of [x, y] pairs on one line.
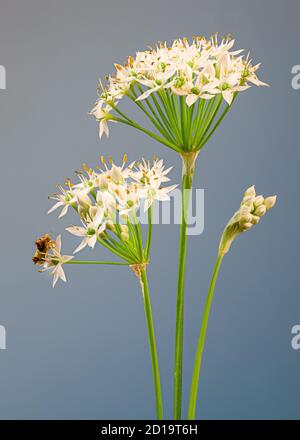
[[107, 202], [201, 69], [252, 208], [100, 197]]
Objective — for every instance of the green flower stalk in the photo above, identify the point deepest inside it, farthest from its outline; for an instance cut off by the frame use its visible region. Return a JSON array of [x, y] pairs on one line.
[[184, 91], [108, 203], [252, 209]]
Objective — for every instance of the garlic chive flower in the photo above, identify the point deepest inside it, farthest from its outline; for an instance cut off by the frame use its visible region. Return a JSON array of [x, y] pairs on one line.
[[91, 230], [107, 202], [48, 255], [252, 209], [103, 115], [65, 199], [150, 179], [203, 72]]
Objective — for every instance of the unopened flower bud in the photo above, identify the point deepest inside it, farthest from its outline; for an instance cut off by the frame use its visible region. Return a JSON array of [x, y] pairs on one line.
[[102, 181], [123, 218], [93, 211], [82, 211], [116, 173], [260, 210], [255, 219], [248, 201], [246, 226], [244, 211], [83, 200], [250, 192], [245, 219], [270, 202], [259, 200], [125, 236], [111, 227], [124, 228]]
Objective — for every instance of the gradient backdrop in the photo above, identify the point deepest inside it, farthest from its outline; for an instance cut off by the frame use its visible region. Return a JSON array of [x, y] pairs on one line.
[[80, 350]]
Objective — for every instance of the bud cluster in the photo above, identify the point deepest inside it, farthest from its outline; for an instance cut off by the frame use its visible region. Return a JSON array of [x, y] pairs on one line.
[[252, 209]]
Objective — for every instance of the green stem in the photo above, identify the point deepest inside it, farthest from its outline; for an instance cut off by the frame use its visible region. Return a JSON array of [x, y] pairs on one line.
[[111, 248], [188, 161], [201, 341], [155, 121], [161, 118], [131, 123], [225, 111], [152, 343], [113, 263], [149, 236], [183, 121]]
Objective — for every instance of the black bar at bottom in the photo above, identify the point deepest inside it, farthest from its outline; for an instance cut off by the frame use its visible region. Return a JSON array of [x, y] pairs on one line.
[[118, 429]]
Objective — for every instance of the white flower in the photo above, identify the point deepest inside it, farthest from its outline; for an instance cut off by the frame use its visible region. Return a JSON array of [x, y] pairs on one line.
[[102, 115], [152, 193], [146, 174], [87, 182], [106, 201], [150, 179], [160, 82], [230, 77], [116, 174], [249, 74], [128, 199], [90, 231], [66, 198], [202, 89], [55, 260]]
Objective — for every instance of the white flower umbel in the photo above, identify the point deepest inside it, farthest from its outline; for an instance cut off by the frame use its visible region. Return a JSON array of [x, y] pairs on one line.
[[252, 208], [111, 191], [184, 90], [197, 71]]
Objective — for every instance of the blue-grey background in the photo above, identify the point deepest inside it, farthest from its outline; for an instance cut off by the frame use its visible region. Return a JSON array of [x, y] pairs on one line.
[[80, 350]]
